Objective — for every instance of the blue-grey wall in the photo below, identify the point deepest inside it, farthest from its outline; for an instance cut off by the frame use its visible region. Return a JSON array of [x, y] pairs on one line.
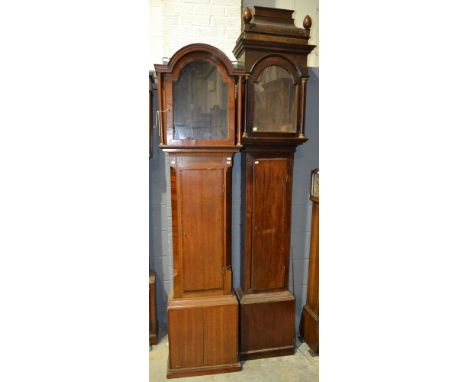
[[306, 159]]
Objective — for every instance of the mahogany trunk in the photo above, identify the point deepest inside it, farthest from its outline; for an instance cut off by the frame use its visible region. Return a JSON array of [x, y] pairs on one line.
[[267, 307]]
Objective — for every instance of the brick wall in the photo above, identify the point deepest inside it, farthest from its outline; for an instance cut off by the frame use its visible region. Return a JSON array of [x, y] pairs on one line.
[[176, 23]]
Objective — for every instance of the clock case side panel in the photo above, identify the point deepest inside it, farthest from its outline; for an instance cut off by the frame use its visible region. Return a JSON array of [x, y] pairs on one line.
[[309, 326], [178, 291], [160, 114], [245, 228]]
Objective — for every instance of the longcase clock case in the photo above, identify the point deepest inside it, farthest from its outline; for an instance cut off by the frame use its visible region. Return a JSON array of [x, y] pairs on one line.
[[273, 53], [197, 114]]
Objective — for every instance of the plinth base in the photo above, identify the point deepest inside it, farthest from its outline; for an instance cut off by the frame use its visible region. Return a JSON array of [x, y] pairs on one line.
[[202, 336], [310, 328], [203, 370], [267, 324]]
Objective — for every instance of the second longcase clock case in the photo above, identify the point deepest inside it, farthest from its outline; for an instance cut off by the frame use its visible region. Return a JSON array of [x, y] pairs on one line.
[[273, 53]]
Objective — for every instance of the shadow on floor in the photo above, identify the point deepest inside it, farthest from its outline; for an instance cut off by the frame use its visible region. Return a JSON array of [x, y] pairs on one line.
[[300, 367]]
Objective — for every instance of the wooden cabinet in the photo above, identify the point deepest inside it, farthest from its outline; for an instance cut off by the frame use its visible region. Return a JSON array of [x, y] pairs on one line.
[[273, 53], [197, 114]]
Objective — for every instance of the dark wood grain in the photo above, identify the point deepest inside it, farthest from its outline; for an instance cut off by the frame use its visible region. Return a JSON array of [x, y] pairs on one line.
[[268, 327], [269, 211], [302, 109], [310, 314], [266, 212], [272, 30], [240, 112], [269, 38]]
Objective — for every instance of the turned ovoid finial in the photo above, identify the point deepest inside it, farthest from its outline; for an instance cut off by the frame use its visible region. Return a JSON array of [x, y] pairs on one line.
[[307, 22], [247, 15]]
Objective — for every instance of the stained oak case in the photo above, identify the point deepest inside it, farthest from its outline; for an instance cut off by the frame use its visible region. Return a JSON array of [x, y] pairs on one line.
[[273, 53], [197, 115]]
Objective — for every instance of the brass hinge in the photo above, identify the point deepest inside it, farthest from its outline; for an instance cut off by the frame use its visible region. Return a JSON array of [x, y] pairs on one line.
[[235, 92]]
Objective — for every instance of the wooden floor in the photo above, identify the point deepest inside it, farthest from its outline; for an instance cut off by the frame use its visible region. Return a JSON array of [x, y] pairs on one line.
[[300, 367]]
